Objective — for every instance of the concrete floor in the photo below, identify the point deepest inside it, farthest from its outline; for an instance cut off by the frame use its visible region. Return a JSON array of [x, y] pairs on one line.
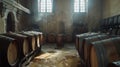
[[51, 57]]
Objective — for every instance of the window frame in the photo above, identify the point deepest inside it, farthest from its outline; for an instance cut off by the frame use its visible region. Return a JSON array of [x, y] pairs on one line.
[[80, 7], [46, 8]]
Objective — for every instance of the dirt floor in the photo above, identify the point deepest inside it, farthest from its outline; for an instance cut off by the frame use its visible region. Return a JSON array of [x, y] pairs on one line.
[[51, 57]]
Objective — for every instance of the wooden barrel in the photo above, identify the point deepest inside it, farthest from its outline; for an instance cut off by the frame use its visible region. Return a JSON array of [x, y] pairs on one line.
[[51, 38], [9, 52], [37, 37], [22, 41], [80, 40], [118, 32], [114, 32], [43, 39], [114, 64], [104, 52], [68, 38], [87, 44], [31, 39], [59, 40]]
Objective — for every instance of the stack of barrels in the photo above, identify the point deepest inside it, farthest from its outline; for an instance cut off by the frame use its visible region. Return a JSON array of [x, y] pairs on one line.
[[97, 49], [15, 46]]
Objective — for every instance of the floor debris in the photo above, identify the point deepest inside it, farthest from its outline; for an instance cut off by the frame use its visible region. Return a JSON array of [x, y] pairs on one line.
[[65, 57]]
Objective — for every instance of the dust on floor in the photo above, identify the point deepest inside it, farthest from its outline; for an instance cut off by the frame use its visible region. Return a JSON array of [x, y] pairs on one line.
[[65, 57]]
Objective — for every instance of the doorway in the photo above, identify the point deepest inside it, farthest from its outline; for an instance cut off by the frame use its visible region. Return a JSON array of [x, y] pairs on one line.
[[10, 24]]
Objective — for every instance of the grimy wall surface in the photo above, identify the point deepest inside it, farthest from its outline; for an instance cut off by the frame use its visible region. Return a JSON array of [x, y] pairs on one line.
[[111, 8], [62, 19], [20, 18]]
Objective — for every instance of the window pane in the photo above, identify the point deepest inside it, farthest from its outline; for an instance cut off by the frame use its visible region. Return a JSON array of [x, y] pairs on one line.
[[49, 10], [76, 1], [43, 5], [76, 6], [76, 10], [42, 10], [49, 5], [82, 5]]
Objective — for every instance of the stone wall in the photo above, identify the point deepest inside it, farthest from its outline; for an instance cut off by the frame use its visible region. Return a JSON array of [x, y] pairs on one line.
[[60, 19], [94, 14], [63, 18], [19, 17], [111, 8]]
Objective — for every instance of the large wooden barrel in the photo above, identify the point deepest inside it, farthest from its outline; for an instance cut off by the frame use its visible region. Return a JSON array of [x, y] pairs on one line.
[[22, 41], [87, 45], [31, 39], [43, 39], [59, 40], [68, 38], [51, 38], [114, 31], [104, 52], [78, 36], [114, 64], [80, 42], [9, 52]]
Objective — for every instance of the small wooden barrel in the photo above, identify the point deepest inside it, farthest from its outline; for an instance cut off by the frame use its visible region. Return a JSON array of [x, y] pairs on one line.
[[31, 39], [104, 52], [80, 40], [51, 38], [68, 38], [114, 64], [9, 52], [118, 32], [114, 31], [59, 40], [43, 39], [87, 44], [22, 41]]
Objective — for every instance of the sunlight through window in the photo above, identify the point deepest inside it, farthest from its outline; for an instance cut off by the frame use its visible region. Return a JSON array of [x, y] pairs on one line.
[[45, 5], [80, 5]]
